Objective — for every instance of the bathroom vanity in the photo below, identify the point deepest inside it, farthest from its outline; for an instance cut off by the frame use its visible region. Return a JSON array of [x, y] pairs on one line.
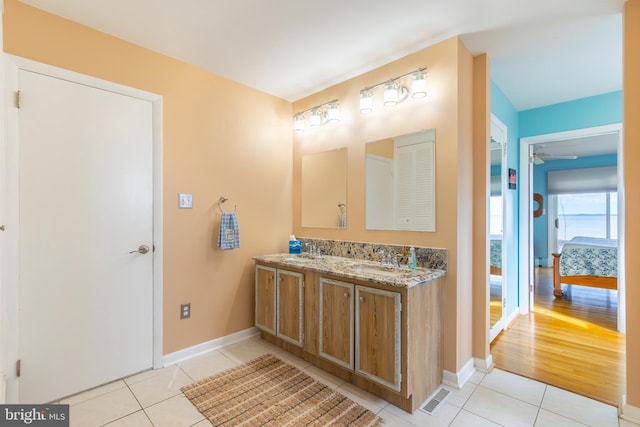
[[375, 326]]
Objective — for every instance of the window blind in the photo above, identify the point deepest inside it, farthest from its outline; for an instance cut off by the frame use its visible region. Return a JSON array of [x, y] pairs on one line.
[[496, 185], [588, 180]]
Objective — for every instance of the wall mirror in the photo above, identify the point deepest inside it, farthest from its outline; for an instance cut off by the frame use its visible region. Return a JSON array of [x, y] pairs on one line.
[[324, 189], [400, 182], [497, 264]]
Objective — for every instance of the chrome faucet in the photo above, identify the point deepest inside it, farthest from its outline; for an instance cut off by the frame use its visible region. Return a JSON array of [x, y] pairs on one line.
[[383, 260], [311, 248]]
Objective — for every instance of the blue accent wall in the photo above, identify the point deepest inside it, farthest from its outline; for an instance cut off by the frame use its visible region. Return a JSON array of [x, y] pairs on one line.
[[599, 110], [502, 108], [541, 224]]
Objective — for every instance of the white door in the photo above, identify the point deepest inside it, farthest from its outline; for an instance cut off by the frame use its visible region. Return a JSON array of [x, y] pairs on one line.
[[85, 202]]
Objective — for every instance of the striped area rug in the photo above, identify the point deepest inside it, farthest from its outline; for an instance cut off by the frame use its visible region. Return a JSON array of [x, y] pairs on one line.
[[268, 392]]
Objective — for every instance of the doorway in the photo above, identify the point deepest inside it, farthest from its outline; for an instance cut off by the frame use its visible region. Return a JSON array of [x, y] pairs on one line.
[[84, 232], [561, 337], [527, 262]]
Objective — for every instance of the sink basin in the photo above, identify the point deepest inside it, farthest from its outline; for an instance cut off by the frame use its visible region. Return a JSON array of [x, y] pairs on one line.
[[379, 269], [300, 258]]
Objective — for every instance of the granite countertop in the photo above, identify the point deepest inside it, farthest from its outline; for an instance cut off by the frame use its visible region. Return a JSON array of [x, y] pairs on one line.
[[351, 268]]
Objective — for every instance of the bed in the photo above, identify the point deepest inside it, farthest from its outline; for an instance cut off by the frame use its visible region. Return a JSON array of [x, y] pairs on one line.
[[586, 261]]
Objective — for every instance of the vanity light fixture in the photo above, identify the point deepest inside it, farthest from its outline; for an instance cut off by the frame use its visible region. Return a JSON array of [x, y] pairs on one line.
[[320, 115], [395, 91]]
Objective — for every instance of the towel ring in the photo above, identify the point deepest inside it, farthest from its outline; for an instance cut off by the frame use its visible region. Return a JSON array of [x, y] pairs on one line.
[[221, 200]]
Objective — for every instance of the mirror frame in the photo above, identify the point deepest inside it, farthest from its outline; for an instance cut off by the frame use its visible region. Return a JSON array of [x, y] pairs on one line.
[[498, 127]]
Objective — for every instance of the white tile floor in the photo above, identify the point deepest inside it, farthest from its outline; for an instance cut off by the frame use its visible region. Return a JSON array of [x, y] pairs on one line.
[[153, 398]]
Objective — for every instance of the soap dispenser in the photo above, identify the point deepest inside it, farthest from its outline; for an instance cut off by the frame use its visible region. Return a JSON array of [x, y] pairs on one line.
[[295, 246], [412, 258]]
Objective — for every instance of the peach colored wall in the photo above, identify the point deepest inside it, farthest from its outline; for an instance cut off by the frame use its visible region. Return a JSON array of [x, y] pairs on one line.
[[219, 138], [382, 148], [465, 205], [447, 108], [481, 135], [632, 193]]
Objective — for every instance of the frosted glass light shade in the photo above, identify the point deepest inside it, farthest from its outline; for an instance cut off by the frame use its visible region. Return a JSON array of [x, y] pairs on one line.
[[390, 94], [333, 114], [366, 101], [419, 85], [298, 123], [315, 120]]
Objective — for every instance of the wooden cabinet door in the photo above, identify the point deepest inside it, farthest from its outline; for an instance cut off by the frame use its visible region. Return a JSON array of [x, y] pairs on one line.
[[378, 335], [290, 301], [336, 322], [266, 298]]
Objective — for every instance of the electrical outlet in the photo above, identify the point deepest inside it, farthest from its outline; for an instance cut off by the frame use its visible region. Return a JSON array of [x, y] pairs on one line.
[[185, 311], [185, 201]]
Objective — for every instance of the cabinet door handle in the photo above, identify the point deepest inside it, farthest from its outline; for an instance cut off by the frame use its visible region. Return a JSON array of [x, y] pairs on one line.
[[346, 294], [361, 299]]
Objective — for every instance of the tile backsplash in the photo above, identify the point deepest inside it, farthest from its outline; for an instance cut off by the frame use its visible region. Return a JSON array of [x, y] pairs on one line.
[[426, 257]]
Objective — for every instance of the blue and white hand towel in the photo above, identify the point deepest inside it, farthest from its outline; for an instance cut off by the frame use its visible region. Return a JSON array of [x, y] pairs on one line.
[[229, 236]]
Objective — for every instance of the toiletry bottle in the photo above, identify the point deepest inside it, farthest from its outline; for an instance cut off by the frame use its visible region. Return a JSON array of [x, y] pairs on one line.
[[412, 258], [294, 245]]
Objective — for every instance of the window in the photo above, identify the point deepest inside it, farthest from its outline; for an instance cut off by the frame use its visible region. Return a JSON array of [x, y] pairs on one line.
[[495, 220], [587, 214]]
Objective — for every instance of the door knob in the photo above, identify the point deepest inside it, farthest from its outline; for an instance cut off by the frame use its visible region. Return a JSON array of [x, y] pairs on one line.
[[143, 249], [2, 227]]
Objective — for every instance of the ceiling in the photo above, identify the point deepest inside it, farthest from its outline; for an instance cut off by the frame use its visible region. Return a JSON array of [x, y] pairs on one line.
[[582, 147], [543, 51], [585, 146]]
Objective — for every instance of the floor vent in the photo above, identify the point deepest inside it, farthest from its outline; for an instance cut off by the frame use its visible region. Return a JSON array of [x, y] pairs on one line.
[[433, 404]]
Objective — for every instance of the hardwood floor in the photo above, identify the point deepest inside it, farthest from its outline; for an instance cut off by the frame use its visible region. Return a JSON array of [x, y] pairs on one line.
[[571, 343]]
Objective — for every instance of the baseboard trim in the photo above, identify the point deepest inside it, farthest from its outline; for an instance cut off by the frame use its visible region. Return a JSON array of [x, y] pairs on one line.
[[512, 317], [3, 388], [484, 365], [459, 379], [205, 347], [628, 412]]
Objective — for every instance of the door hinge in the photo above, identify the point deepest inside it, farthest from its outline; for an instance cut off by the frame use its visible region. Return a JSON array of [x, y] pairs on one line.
[[18, 368], [530, 288], [18, 98], [504, 302]]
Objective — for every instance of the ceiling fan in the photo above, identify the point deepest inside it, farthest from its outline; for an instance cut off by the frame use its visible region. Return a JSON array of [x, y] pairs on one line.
[[539, 157]]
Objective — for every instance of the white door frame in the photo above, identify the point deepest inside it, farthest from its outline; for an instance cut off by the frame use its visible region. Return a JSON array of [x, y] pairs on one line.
[[526, 213], [500, 137], [9, 292], [552, 232]]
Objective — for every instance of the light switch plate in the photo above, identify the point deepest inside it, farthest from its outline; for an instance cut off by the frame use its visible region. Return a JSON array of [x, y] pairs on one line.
[[185, 201]]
